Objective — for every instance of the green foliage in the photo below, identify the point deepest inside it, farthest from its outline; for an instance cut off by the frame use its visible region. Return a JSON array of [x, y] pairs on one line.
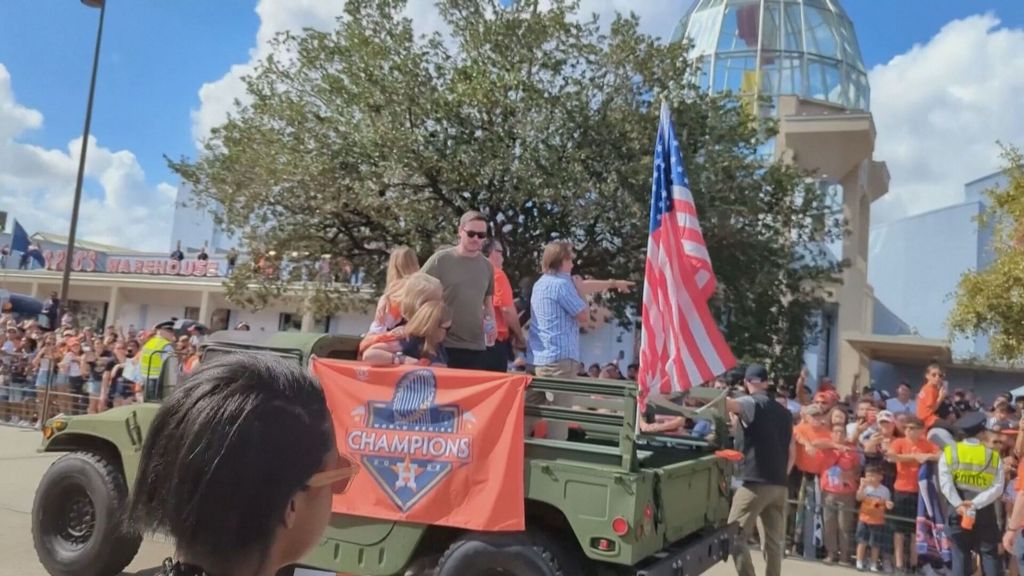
[[991, 301], [366, 137]]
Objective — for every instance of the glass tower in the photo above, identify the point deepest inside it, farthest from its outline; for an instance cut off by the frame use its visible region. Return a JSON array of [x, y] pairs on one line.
[[805, 48]]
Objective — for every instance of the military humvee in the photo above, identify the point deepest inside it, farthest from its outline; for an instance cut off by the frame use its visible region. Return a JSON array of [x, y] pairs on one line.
[[606, 502]]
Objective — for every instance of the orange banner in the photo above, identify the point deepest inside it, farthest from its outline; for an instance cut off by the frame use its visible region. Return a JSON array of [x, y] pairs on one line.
[[437, 445]]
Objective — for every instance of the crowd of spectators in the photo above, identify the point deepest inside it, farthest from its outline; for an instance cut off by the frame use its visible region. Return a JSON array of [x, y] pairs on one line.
[[854, 489], [78, 369]]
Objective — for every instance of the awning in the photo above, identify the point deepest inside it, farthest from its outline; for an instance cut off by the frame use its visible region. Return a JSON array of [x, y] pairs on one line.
[[900, 349]]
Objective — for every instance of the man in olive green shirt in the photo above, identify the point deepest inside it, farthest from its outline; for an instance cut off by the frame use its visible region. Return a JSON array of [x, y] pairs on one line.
[[468, 281]]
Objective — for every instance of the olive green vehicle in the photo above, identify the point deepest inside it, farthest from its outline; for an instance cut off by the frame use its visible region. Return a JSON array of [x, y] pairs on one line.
[[605, 502]]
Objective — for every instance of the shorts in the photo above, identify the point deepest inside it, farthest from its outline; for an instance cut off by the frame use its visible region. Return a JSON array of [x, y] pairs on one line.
[[41, 379], [904, 506], [124, 389], [20, 390], [874, 535], [76, 384], [95, 387]]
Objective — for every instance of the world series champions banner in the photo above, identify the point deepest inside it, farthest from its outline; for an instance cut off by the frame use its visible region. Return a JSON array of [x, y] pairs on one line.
[[436, 445]]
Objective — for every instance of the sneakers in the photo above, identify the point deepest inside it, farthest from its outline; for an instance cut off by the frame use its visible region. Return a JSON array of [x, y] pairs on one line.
[[860, 566]]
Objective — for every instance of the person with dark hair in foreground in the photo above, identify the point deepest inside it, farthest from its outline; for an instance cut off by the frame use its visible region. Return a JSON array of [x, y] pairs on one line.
[[239, 468]]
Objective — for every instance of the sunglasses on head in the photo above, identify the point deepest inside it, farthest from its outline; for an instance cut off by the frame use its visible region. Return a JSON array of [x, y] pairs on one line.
[[475, 234], [338, 478]]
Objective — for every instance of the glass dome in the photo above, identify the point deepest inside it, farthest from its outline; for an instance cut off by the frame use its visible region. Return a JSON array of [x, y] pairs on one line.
[[804, 48]]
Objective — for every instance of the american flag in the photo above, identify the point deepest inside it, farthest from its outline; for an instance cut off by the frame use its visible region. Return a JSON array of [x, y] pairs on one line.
[[681, 345]]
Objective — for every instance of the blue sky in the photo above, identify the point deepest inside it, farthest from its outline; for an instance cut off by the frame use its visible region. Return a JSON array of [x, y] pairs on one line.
[[157, 54]]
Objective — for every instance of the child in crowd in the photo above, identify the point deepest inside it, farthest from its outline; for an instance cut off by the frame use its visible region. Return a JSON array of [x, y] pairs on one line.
[[908, 453], [874, 500], [839, 486]]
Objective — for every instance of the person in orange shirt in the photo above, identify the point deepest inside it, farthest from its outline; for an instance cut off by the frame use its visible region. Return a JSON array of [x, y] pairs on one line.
[[874, 500], [813, 436], [506, 318], [908, 453], [839, 487], [932, 394]]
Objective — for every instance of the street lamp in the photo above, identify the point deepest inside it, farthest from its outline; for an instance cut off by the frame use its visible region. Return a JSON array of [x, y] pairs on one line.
[[70, 256]]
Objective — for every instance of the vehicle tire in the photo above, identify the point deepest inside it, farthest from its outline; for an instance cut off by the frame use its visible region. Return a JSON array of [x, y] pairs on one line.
[[508, 554], [77, 518]]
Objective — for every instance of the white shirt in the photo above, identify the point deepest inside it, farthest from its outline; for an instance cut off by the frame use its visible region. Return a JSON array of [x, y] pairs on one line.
[[985, 498], [896, 407]]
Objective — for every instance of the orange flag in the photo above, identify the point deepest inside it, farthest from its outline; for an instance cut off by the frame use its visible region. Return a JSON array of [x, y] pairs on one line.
[[437, 445]]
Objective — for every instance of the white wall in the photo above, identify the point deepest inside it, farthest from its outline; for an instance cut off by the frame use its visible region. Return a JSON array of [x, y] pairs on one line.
[[916, 263], [193, 227]]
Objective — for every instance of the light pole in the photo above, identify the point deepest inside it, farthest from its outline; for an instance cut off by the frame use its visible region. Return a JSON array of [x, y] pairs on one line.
[[70, 256]]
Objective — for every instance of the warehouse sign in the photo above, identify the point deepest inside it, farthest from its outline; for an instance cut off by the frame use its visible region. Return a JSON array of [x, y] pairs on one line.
[[93, 261]]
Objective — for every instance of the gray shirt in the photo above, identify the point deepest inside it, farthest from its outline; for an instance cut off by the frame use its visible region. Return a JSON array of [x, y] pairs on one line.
[[467, 281]]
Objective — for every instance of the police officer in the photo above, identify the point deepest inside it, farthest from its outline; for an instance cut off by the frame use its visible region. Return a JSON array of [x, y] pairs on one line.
[[158, 348], [971, 478]]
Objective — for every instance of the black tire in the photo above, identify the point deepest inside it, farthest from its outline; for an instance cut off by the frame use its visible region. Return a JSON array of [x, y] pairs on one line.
[[77, 518], [507, 554]]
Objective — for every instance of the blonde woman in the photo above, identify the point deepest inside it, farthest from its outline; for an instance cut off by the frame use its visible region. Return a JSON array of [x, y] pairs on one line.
[[403, 300], [402, 264], [417, 342]]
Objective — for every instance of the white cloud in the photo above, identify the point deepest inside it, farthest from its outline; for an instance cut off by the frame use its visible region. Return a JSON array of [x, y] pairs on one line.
[[37, 185], [217, 98], [941, 107]]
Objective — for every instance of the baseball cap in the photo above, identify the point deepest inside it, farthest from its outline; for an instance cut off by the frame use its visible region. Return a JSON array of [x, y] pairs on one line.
[[886, 416], [755, 373], [823, 398]]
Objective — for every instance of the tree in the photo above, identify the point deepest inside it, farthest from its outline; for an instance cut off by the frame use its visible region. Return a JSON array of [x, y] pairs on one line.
[[369, 136], [990, 301]]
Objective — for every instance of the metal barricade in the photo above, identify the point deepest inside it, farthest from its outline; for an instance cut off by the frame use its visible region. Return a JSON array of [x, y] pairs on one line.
[[18, 393], [28, 398]]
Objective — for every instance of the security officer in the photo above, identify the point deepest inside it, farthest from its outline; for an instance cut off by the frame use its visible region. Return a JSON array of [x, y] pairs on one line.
[[765, 436], [158, 348], [971, 478]]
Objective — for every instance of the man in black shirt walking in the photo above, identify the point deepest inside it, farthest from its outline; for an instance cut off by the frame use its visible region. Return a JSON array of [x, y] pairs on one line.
[[765, 436]]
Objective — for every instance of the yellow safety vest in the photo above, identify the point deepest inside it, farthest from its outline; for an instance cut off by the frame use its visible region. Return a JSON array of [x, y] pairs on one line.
[[973, 466], [153, 357]]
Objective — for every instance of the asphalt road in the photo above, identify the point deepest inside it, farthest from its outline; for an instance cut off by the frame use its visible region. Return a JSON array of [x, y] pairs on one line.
[[21, 468]]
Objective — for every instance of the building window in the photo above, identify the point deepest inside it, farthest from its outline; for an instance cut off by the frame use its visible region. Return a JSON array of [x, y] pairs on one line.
[[293, 323], [192, 313], [219, 319]]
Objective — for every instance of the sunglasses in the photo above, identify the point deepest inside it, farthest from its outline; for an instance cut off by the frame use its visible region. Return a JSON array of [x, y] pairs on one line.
[[338, 478], [475, 234]]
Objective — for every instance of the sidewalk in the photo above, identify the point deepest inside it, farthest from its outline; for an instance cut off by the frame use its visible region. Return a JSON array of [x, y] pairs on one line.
[[21, 467], [790, 567]]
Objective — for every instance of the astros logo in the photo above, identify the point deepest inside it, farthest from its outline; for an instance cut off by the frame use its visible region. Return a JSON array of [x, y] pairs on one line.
[[410, 444]]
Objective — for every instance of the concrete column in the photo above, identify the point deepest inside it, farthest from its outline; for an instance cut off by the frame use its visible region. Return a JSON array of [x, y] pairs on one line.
[[855, 305], [308, 322], [204, 308], [113, 306], [35, 290]]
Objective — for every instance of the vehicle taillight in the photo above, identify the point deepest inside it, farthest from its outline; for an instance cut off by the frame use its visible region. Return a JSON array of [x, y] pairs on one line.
[[620, 526]]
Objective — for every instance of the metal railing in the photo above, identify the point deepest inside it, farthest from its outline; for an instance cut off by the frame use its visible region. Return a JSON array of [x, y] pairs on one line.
[[29, 398], [820, 529]]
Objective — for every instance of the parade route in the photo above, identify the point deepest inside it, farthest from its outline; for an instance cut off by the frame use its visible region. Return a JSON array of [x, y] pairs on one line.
[[21, 467]]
